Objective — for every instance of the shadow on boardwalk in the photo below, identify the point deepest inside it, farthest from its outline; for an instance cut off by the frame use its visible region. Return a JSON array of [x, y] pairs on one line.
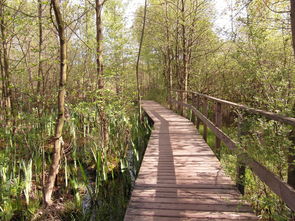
[[180, 178]]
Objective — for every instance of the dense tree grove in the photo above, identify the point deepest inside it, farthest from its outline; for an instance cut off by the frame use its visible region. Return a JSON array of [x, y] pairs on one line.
[[72, 77]]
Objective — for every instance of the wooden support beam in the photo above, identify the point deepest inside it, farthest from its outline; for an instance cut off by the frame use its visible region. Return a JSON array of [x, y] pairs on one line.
[[205, 112], [240, 176], [241, 167], [218, 123], [198, 106], [194, 103], [181, 96]]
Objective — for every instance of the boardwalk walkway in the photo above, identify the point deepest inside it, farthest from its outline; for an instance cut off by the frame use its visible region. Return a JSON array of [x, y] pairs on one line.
[[180, 178]]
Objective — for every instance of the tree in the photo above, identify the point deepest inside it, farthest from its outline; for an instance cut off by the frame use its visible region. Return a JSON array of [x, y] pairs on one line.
[[100, 70], [5, 70], [58, 141], [291, 160], [138, 58]]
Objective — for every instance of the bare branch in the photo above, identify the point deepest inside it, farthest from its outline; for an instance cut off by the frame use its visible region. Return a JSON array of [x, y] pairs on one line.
[[279, 12]]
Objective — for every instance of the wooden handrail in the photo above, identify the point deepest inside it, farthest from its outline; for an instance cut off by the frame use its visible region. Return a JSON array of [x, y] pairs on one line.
[[267, 114], [282, 189]]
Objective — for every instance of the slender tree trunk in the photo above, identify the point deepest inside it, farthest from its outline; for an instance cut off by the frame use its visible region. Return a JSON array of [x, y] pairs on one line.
[[168, 51], [99, 65], [184, 76], [3, 84], [292, 4], [99, 36], [85, 79], [6, 73], [40, 45], [138, 58], [48, 189], [177, 72], [40, 79], [177, 59], [291, 157]]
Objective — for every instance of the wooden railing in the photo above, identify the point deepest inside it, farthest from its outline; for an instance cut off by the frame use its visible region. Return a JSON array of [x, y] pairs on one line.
[[199, 108]]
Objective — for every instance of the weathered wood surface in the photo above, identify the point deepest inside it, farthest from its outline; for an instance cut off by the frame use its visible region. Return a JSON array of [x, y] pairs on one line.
[[180, 178]]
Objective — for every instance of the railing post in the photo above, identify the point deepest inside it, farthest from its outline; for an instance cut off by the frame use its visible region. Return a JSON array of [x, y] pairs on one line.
[[186, 101], [177, 104], [240, 179], [241, 167], [218, 123], [194, 103], [198, 105], [205, 112], [170, 99], [180, 107]]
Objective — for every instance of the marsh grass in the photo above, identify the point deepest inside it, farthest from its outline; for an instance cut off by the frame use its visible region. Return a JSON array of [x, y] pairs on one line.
[[86, 168]]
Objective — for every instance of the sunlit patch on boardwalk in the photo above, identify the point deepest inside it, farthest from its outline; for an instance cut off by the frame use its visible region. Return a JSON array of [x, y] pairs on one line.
[[180, 178]]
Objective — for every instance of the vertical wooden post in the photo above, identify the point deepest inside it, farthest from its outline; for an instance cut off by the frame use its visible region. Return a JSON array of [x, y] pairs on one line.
[[194, 103], [181, 101], [205, 112], [240, 179], [176, 104], [241, 167], [218, 123], [186, 101], [198, 106], [173, 97], [169, 99]]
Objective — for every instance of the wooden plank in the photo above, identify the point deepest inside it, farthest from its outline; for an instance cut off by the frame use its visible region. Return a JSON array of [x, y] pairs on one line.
[[188, 186], [211, 181], [187, 194], [194, 191], [192, 214], [186, 200], [200, 218], [193, 207]]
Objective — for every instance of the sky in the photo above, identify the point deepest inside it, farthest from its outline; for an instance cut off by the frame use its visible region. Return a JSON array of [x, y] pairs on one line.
[[221, 22]]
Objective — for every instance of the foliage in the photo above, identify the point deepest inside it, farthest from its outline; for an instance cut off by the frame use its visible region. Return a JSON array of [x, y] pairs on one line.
[[253, 64]]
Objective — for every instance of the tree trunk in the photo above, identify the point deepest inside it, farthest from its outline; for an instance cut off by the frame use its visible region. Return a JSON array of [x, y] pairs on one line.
[[5, 63], [168, 57], [99, 61], [40, 63], [48, 189], [3, 86], [291, 157], [138, 58], [100, 75], [292, 4], [177, 56], [184, 50]]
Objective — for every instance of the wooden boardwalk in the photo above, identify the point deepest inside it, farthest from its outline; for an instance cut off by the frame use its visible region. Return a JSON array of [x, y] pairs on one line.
[[180, 178]]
